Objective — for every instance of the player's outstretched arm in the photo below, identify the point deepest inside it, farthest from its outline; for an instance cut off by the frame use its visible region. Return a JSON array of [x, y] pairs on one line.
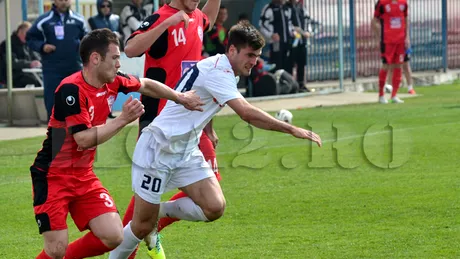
[[156, 89], [136, 46], [92, 137], [211, 9], [263, 120]]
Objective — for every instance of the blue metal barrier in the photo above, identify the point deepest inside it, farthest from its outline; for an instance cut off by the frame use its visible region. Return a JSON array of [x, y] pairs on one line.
[[435, 38]]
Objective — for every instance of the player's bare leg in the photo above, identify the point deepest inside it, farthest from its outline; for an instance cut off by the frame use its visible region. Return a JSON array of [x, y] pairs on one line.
[[106, 234], [143, 223], [388, 86], [408, 75], [55, 244], [396, 82], [382, 79]]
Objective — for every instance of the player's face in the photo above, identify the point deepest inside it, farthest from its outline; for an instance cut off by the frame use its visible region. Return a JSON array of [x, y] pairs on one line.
[[244, 60], [190, 5], [62, 5], [108, 67]]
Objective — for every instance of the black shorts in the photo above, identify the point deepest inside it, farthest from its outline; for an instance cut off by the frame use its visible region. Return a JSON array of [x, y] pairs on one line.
[[407, 58]]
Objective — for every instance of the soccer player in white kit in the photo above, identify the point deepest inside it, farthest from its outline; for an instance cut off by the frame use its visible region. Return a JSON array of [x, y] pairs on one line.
[[167, 157]]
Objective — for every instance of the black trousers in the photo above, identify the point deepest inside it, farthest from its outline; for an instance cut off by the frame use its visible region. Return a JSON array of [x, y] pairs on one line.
[[282, 57], [299, 57], [22, 79]]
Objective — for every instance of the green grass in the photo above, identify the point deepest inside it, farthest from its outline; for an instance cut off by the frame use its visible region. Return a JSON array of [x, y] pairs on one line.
[[369, 194]]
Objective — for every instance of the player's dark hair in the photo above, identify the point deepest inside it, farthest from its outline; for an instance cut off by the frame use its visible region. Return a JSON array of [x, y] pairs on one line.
[[222, 7], [97, 41], [243, 34]]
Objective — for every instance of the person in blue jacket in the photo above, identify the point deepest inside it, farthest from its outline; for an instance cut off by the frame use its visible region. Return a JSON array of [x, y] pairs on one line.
[[105, 18], [56, 36]]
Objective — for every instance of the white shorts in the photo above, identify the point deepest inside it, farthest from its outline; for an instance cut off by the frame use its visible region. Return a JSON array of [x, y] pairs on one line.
[[156, 171]]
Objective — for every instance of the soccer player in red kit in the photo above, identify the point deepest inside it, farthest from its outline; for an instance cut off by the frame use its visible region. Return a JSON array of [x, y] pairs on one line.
[[62, 173], [391, 26], [172, 40]]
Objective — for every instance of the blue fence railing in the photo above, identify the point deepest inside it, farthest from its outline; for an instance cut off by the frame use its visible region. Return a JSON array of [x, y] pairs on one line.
[[435, 37]]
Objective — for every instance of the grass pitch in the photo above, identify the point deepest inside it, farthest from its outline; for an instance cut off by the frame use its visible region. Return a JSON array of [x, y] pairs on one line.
[[385, 185]]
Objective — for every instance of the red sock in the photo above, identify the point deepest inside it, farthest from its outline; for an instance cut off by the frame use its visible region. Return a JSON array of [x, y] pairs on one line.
[[397, 74], [382, 80], [87, 246], [129, 213], [164, 222], [43, 255]]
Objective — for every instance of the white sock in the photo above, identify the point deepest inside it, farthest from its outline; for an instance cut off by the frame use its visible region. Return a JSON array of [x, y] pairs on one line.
[[410, 87], [183, 208], [130, 242]]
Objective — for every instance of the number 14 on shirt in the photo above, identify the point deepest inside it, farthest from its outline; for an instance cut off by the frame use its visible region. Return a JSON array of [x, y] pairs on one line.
[[179, 36]]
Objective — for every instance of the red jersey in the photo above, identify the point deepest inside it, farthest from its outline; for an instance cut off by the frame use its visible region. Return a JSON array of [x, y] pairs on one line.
[[174, 52], [78, 106], [392, 15]]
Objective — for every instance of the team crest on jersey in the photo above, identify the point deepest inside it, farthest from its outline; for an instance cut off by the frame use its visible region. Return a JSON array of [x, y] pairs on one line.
[[200, 33], [110, 101], [402, 7], [388, 8]]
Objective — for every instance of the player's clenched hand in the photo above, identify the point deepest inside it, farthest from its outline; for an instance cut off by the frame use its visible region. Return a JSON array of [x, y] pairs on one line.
[[132, 109], [190, 101], [213, 137], [177, 18], [306, 134]]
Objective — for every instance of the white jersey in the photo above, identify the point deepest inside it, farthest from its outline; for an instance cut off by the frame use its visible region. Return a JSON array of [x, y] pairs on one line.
[[215, 83]]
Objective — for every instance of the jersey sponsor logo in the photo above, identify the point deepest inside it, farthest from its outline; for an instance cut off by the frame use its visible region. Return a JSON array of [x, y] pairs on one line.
[[186, 65], [101, 94], [395, 23], [70, 100], [200, 33]]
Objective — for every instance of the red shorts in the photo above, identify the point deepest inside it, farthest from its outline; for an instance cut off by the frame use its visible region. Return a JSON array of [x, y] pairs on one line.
[[55, 195], [393, 53], [209, 154]]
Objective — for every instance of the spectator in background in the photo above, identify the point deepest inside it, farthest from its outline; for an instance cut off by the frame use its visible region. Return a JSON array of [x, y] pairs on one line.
[[149, 6], [106, 19], [276, 26], [299, 47], [131, 17], [216, 39], [21, 56], [56, 36]]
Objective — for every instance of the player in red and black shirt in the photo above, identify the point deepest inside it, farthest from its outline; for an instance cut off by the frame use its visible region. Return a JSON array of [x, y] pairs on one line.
[[391, 25], [172, 40], [62, 173]]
